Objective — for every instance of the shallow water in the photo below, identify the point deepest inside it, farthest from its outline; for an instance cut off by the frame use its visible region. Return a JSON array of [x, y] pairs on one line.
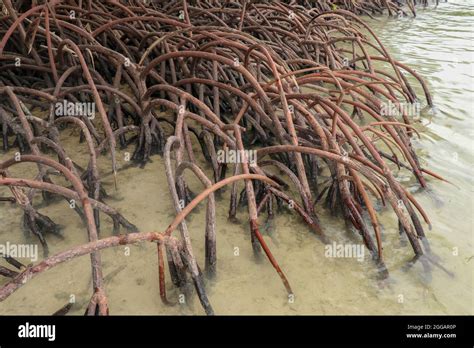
[[438, 44]]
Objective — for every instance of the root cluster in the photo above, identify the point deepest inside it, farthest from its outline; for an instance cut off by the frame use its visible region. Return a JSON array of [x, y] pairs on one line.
[[303, 84]]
